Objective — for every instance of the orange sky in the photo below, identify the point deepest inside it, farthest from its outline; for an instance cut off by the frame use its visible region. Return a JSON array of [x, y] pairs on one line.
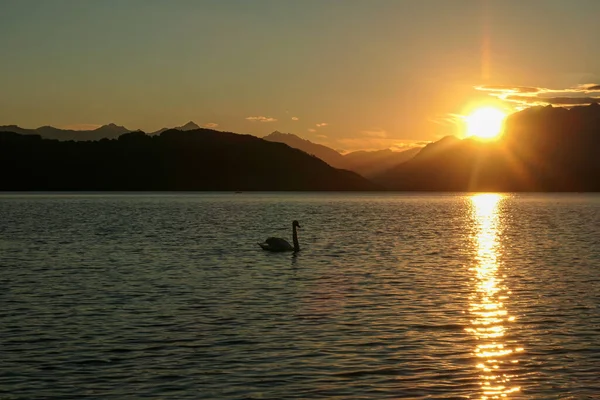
[[352, 75]]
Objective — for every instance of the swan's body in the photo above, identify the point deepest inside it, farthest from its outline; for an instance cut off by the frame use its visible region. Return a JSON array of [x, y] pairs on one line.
[[278, 244]]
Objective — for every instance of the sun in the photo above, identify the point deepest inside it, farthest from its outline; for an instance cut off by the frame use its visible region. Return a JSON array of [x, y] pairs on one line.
[[485, 123]]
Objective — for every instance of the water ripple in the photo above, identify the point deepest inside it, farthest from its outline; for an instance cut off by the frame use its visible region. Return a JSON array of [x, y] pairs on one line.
[[396, 296]]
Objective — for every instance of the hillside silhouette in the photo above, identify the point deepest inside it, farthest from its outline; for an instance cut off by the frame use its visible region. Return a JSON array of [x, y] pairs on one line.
[[372, 163], [200, 159], [109, 131], [542, 149], [327, 154], [365, 163], [190, 126]]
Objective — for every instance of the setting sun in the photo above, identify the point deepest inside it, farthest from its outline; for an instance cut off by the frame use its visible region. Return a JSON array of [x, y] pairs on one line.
[[485, 123]]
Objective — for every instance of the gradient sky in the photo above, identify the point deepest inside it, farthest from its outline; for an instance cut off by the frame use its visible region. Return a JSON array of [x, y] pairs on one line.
[[377, 73]]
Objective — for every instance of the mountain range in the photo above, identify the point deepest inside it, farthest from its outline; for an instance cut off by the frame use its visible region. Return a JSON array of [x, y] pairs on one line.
[[190, 126], [174, 160], [109, 131], [367, 163], [542, 149]]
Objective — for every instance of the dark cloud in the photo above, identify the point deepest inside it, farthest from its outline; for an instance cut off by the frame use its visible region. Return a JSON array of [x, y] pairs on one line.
[[518, 89], [554, 100], [528, 96]]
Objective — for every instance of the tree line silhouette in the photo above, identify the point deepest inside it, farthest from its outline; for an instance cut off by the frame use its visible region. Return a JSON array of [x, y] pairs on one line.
[[200, 159]]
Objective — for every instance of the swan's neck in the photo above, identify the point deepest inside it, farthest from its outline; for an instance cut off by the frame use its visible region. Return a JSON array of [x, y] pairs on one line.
[[295, 238]]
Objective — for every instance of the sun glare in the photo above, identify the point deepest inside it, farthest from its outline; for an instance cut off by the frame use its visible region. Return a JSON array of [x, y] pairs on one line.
[[485, 123]]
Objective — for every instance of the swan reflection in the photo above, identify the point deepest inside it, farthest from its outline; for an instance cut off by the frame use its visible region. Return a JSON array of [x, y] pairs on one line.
[[489, 317]]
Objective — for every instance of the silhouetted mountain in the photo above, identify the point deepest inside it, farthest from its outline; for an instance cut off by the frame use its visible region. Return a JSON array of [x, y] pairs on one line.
[[17, 129], [366, 163], [200, 159], [435, 148], [325, 153], [190, 126], [110, 131], [373, 163], [542, 149]]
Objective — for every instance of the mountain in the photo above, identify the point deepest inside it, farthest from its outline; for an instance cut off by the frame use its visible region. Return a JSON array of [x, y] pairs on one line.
[[200, 159], [109, 131], [325, 153], [373, 163], [17, 129], [446, 165], [435, 148], [190, 126], [542, 149], [366, 163]]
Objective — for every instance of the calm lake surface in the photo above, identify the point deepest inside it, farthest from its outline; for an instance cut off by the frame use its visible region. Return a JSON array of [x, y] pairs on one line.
[[415, 296]]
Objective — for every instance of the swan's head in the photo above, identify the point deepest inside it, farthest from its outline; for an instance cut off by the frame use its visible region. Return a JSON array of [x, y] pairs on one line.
[[295, 224]]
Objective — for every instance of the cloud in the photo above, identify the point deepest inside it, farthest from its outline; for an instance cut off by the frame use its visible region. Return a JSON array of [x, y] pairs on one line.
[[524, 96], [261, 119], [322, 124], [591, 87], [81, 127], [312, 130], [508, 89], [448, 119], [210, 125], [376, 133], [560, 101], [295, 118], [322, 136], [371, 144]]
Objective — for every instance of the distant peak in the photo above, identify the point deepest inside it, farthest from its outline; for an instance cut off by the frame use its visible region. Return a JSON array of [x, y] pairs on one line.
[[448, 138], [280, 134], [112, 126], [191, 125]]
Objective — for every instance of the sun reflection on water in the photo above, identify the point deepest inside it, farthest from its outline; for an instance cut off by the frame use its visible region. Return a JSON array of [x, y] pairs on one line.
[[490, 318]]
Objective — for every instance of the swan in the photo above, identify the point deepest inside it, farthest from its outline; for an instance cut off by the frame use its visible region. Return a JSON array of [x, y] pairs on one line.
[[278, 244]]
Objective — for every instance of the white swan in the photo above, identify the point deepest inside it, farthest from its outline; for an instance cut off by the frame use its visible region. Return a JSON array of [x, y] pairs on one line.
[[278, 244]]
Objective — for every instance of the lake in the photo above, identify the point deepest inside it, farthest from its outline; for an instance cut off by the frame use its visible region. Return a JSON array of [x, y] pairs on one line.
[[416, 296]]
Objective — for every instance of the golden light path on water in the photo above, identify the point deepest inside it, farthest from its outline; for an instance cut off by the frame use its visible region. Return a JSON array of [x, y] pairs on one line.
[[489, 317]]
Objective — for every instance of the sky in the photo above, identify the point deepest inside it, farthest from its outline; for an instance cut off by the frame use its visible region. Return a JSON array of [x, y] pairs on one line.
[[351, 74]]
